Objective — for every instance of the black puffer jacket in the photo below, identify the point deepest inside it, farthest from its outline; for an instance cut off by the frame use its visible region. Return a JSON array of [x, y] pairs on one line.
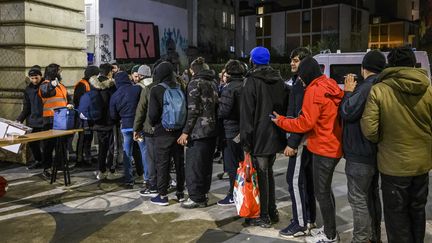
[[202, 100], [106, 88], [263, 93], [229, 106], [32, 107]]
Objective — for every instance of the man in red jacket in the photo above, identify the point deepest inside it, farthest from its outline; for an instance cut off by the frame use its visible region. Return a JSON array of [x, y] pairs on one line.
[[320, 121]]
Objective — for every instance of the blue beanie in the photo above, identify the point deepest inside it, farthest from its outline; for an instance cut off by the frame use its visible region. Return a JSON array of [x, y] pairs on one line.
[[260, 55]]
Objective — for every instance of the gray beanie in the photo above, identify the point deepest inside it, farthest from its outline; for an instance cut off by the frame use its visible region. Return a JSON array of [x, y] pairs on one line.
[[144, 70]]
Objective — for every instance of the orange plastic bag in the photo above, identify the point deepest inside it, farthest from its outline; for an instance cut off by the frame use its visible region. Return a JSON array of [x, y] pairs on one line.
[[246, 191]]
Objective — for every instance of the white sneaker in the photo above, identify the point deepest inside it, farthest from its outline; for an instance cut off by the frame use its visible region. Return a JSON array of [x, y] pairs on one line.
[[101, 175], [316, 231], [321, 237]]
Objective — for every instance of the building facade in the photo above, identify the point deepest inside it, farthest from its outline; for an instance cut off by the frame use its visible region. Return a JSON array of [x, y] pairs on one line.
[[284, 25]]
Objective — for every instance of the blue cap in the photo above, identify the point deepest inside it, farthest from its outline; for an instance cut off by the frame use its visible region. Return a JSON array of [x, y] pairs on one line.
[[260, 55]]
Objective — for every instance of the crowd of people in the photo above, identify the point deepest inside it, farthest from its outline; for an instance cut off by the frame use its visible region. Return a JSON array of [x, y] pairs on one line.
[[381, 125]]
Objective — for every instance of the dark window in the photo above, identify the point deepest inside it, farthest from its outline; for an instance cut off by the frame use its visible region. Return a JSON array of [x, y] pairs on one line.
[[306, 17], [306, 40], [267, 25], [338, 71], [316, 20], [374, 33], [292, 42], [306, 3], [316, 39], [330, 18], [293, 23]]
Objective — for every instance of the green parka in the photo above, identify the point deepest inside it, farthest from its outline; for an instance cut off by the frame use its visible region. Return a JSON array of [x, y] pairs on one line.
[[398, 117]]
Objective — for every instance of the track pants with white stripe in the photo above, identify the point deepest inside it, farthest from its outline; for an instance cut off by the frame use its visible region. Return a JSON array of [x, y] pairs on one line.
[[300, 186]]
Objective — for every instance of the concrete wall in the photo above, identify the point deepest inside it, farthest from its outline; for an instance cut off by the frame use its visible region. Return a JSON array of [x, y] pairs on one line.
[[168, 18], [37, 32], [278, 32]]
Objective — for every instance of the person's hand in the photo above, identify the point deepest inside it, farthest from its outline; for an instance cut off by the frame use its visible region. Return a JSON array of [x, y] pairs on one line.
[[182, 140], [70, 106], [276, 117], [290, 151], [136, 135], [54, 82], [350, 83]]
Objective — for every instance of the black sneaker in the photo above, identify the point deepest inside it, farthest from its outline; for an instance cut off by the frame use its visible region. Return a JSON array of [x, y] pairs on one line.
[[227, 201], [262, 222], [148, 192], [274, 216], [35, 165], [294, 230], [189, 204], [180, 196], [160, 200], [46, 174]]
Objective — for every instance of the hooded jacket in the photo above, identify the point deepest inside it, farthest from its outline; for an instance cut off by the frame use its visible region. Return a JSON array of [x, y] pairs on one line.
[[295, 101], [229, 106], [356, 147], [124, 101], [320, 118], [106, 88], [32, 107], [263, 92], [398, 117], [202, 101]]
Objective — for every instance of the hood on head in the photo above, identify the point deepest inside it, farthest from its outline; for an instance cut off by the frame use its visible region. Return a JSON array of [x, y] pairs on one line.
[[106, 84], [406, 79], [205, 74], [266, 74], [163, 72], [121, 79], [309, 70]]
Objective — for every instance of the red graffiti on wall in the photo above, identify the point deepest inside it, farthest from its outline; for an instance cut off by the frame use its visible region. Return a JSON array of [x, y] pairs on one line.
[[135, 40]]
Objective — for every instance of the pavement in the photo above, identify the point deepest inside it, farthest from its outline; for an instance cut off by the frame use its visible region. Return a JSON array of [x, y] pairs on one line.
[[103, 211]]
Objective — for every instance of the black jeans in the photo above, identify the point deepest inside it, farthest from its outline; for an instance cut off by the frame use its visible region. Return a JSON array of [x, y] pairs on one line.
[[199, 167], [35, 146], [115, 154], [165, 147], [404, 200], [136, 154], [151, 162], [233, 154], [300, 186], [266, 184], [323, 168], [48, 146], [83, 151], [104, 138], [363, 196]]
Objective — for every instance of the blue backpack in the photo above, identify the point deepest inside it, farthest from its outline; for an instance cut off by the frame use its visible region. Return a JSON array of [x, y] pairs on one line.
[[174, 108], [91, 105]]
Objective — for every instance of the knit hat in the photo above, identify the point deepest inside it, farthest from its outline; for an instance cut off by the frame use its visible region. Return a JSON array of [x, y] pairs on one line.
[[260, 55], [135, 69], [401, 57], [163, 72], [309, 70], [91, 71], [374, 61], [34, 72], [144, 70]]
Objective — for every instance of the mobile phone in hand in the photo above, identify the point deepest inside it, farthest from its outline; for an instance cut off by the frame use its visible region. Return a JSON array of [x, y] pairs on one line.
[[272, 116]]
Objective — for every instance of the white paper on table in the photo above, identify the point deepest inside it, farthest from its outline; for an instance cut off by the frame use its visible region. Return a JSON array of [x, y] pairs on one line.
[[3, 129], [16, 147]]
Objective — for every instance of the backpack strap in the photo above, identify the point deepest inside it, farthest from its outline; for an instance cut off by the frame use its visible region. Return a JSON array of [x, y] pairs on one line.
[[166, 86]]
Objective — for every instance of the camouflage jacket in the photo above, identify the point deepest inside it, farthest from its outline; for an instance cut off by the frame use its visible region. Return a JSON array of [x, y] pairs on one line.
[[202, 98]]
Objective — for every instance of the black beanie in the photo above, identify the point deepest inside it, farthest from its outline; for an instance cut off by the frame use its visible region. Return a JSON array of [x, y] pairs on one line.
[[309, 70], [401, 57], [163, 72], [34, 72], [90, 71], [374, 61]]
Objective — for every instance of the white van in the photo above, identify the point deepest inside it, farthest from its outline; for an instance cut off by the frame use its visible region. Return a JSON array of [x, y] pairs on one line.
[[337, 65]]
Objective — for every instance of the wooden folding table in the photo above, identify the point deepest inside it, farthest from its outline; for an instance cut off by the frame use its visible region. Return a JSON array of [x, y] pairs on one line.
[[60, 152]]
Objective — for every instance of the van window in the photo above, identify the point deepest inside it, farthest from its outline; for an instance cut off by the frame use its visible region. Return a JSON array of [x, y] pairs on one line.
[[338, 71]]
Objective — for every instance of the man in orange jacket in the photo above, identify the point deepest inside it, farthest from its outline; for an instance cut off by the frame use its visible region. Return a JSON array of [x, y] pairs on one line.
[[320, 121], [54, 95]]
